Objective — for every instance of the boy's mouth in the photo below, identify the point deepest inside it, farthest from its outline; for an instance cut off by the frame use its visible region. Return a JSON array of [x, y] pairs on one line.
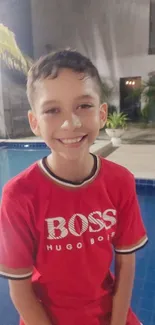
[[73, 140]]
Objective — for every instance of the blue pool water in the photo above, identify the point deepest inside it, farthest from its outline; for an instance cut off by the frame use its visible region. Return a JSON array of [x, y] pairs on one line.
[[143, 300], [14, 161]]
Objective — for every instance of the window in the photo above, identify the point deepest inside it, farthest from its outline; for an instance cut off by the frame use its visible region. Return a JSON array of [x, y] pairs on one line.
[[152, 28]]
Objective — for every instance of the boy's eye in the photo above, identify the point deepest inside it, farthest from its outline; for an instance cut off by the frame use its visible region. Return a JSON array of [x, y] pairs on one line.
[[52, 111], [85, 106]]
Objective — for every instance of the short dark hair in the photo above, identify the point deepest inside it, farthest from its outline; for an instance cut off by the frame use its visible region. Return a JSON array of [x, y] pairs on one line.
[[50, 65]]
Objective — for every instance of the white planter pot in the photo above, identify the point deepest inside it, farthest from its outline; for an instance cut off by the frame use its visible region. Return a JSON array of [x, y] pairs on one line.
[[115, 135]]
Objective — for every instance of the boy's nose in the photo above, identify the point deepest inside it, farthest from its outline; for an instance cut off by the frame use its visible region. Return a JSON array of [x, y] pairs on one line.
[[72, 121]]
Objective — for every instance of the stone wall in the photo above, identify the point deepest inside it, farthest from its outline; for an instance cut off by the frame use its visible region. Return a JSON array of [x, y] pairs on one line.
[[2, 120], [113, 33], [14, 108]]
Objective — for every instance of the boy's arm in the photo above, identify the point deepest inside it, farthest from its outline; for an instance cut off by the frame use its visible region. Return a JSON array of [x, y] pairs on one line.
[[26, 303], [130, 236], [17, 251], [124, 278]]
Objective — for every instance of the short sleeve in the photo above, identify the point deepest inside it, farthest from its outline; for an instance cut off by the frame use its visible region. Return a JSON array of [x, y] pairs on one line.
[[130, 232], [16, 239]]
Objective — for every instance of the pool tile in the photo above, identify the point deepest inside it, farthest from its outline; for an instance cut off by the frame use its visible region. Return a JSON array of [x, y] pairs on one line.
[[147, 303], [153, 319], [150, 182], [145, 316], [24, 145]]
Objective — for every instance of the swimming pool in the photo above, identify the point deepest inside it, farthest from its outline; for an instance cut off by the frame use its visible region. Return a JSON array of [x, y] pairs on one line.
[[13, 161], [17, 158]]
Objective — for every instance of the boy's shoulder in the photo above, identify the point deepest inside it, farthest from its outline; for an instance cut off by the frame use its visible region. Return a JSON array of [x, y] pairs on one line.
[[24, 182], [116, 168], [115, 174]]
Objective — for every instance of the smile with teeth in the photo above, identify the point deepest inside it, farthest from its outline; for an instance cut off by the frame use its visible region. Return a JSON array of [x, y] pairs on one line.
[[73, 140]]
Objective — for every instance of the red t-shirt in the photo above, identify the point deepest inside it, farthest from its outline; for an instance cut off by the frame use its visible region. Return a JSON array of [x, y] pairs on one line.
[[65, 233]]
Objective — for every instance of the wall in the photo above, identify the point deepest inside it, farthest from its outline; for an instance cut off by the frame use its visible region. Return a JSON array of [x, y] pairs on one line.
[[152, 27], [16, 14], [15, 108], [113, 33], [2, 119], [105, 30]]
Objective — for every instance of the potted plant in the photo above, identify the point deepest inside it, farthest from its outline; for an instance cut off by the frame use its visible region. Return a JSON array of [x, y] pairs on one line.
[[115, 127]]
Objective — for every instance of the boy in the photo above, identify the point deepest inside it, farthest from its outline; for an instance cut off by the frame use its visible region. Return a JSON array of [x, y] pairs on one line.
[[61, 218]]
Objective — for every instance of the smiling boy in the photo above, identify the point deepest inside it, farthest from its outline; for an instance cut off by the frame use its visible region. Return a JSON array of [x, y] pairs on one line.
[[62, 217]]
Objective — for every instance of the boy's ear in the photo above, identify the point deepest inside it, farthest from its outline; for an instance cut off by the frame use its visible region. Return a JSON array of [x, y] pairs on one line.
[[103, 114], [33, 123]]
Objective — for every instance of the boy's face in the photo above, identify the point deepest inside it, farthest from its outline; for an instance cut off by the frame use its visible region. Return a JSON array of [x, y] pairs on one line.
[[67, 113]]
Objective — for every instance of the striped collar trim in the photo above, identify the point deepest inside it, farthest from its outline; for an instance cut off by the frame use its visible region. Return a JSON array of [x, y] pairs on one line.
[[66, 183]]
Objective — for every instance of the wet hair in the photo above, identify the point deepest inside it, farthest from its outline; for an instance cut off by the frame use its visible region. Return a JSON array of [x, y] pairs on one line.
[[50, 65]]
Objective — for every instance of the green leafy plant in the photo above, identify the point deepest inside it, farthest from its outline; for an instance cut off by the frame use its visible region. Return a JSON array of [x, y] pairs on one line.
[[117, 121], [10, 53], [147, 93], [145, 113]]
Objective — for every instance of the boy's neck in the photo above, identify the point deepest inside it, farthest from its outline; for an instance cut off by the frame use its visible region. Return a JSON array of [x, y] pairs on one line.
[[73, 170]]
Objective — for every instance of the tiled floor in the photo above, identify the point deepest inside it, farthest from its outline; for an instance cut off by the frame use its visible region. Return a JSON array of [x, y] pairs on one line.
[[139, 159]]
